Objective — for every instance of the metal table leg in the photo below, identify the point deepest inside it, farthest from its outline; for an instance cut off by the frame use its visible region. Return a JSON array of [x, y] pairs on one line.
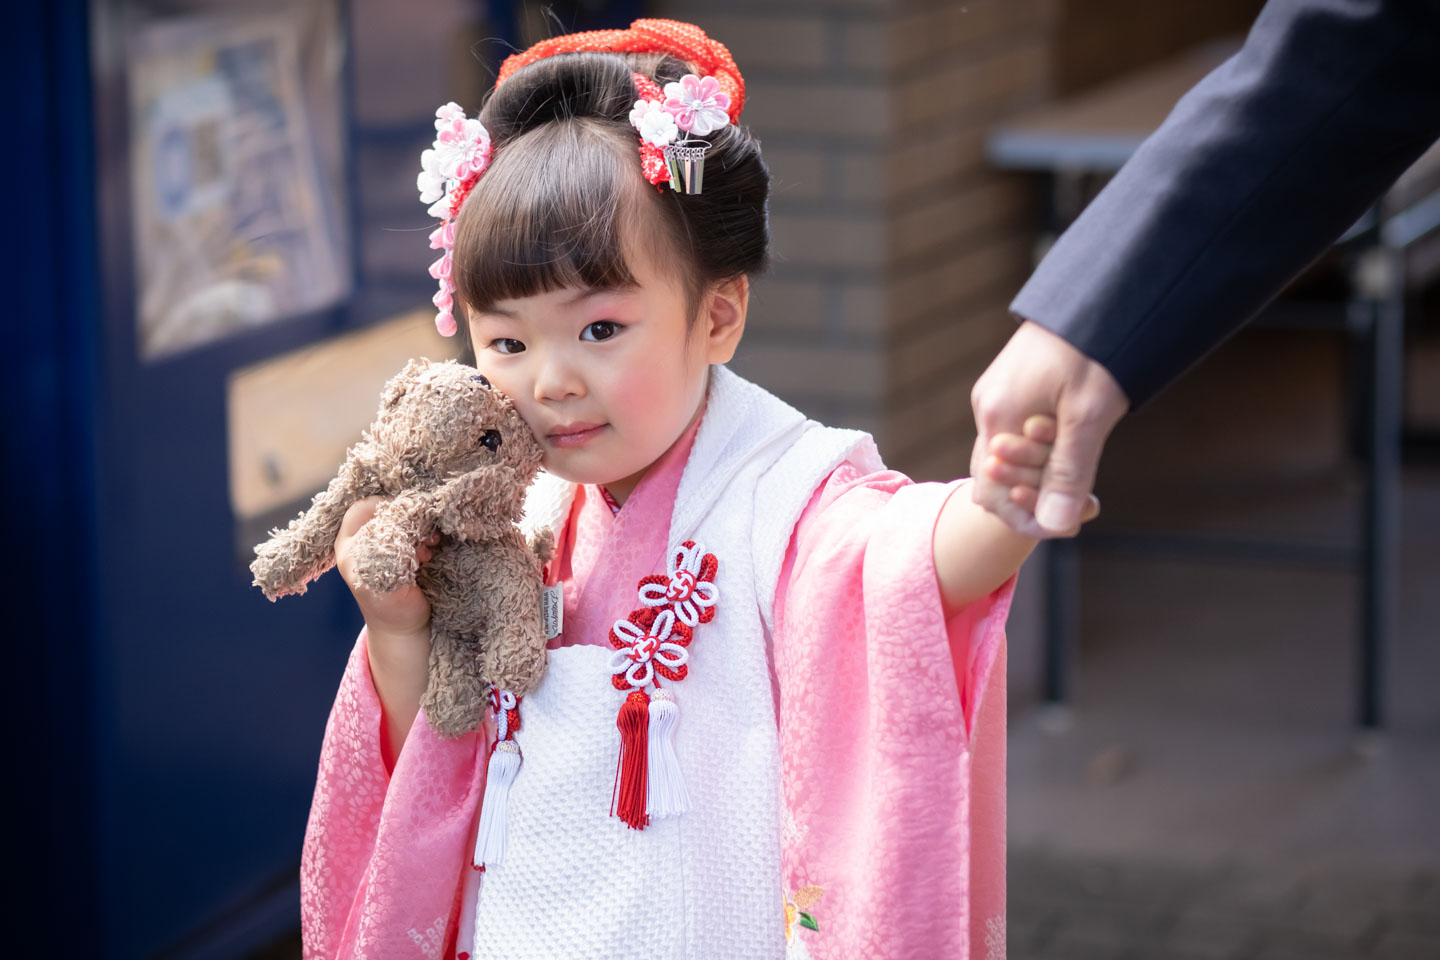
[[1380, 308], [1062, 608]]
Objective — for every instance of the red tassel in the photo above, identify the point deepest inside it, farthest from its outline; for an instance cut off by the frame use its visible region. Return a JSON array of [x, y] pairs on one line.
[[634, 724]]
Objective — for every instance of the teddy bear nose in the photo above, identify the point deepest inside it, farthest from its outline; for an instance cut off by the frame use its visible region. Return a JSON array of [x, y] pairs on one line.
[[491, 440], [482, 379]]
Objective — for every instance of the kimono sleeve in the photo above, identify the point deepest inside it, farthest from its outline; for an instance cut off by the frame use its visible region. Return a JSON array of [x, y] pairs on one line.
[[386, 855], [891, 730]]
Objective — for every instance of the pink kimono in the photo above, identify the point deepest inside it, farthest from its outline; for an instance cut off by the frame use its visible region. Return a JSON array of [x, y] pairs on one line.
[[892, 742]]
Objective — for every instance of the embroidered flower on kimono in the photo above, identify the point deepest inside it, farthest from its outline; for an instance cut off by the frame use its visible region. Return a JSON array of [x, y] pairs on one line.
[[651, 641], [689, 588], [698, 105], [796, 916], [654, 124]]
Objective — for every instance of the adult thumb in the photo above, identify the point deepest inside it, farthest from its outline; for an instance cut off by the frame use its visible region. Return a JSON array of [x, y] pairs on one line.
[[1069, 475]]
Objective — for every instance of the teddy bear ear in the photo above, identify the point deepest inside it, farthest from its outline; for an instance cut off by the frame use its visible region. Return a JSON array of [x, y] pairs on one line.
[[398, 384]]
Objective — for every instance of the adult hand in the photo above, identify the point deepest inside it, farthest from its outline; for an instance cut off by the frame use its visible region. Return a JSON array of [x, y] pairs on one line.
[[1039, 372]]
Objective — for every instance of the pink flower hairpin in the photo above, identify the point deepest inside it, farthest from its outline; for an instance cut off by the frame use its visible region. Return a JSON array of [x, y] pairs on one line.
[[448, 172], [693, 105]]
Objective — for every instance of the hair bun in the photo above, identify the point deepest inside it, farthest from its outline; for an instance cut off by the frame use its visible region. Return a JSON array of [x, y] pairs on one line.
[[564, 87]]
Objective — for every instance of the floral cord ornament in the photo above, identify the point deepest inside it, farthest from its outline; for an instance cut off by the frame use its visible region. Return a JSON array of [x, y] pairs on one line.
[[689, 588], [649, 644]]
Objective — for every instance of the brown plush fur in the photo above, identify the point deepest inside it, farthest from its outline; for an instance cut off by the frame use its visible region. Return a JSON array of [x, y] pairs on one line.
[[424, 452]]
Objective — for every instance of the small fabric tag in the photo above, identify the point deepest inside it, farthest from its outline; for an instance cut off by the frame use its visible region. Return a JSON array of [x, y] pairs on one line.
[[552, 609]]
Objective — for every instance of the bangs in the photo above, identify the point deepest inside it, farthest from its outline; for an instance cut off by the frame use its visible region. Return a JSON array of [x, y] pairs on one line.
[[551, 212]]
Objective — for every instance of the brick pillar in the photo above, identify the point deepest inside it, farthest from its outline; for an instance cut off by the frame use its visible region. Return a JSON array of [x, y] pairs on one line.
[[896, 247]]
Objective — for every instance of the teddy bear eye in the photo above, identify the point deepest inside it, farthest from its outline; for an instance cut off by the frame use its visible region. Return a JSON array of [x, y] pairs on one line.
[[483, 381], [491, 440]]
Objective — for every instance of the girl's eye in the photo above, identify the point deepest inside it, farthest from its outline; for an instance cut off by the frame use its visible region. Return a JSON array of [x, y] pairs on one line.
[[601, 330], [507, 345]]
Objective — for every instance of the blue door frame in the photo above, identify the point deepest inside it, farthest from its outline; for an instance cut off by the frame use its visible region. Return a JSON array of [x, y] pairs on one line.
[[164, 718]]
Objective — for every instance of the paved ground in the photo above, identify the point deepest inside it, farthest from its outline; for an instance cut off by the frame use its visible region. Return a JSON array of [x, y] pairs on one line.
[[1096, 908], [1207, 795]]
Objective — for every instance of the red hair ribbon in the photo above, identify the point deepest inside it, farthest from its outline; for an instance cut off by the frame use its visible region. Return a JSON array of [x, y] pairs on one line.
[[684, 41]]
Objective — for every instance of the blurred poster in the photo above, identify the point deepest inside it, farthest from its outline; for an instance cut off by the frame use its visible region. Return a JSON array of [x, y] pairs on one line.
[[236, 215]]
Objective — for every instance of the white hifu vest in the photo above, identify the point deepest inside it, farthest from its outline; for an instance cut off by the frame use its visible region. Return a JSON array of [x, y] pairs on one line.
[[576, 882]]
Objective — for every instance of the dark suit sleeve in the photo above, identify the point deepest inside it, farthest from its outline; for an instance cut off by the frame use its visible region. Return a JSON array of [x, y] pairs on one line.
[[1256, 171]]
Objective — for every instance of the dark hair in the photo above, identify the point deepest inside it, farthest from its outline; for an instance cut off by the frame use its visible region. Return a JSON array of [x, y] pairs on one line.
[[564, 193]]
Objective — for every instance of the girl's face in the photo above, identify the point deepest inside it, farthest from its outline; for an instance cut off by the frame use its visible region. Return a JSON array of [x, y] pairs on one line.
[[608, 379]]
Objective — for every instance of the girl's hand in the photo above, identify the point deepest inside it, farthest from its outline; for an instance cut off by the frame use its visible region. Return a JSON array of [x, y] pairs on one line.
[[403, 612], [1019, 462]]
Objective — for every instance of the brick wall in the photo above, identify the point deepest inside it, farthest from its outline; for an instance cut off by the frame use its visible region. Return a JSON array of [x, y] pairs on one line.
[[1099, 39]]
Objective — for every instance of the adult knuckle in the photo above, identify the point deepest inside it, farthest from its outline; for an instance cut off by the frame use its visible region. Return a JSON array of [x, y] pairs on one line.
[[980, 396], [1063, 473]]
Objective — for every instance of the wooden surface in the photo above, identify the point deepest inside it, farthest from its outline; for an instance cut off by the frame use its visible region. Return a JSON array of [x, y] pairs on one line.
[[292, 418], [1097, 131]]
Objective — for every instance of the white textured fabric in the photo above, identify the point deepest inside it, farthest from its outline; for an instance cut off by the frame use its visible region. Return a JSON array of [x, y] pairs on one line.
[[577, 882]]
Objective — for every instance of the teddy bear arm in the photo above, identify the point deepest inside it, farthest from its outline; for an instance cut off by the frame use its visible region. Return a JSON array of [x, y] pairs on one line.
[[384, 548], [482, 504], [305, 549]]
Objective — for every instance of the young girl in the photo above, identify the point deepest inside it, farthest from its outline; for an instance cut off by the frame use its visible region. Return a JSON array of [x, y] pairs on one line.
[[815, 642]]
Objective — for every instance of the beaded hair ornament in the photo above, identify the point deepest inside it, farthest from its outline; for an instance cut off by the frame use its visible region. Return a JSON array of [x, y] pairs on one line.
[[671, 125]]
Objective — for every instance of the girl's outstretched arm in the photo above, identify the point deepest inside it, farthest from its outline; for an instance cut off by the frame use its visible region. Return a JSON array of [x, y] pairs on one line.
[[976, 551]]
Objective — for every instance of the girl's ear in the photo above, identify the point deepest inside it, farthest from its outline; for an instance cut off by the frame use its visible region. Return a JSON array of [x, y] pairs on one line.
[[724, 318]]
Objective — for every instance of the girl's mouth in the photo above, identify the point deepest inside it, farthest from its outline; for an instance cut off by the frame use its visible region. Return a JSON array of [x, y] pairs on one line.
[[574, 434]]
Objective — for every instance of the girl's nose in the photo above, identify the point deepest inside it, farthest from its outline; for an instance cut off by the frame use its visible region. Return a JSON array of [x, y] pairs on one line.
[[557, 380]]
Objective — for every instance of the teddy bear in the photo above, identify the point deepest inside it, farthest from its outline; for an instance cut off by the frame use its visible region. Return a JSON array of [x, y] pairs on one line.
[[450, 453]]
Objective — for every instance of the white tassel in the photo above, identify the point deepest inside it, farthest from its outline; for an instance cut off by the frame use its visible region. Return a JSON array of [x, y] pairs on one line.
[[665, 794], [494, 818]]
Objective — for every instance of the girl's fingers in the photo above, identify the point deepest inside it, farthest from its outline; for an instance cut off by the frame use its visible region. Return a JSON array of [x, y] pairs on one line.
[[1019, 451], [1040, 428], [1025, 498], [425, 550], [1004, 472], [357, 515]]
